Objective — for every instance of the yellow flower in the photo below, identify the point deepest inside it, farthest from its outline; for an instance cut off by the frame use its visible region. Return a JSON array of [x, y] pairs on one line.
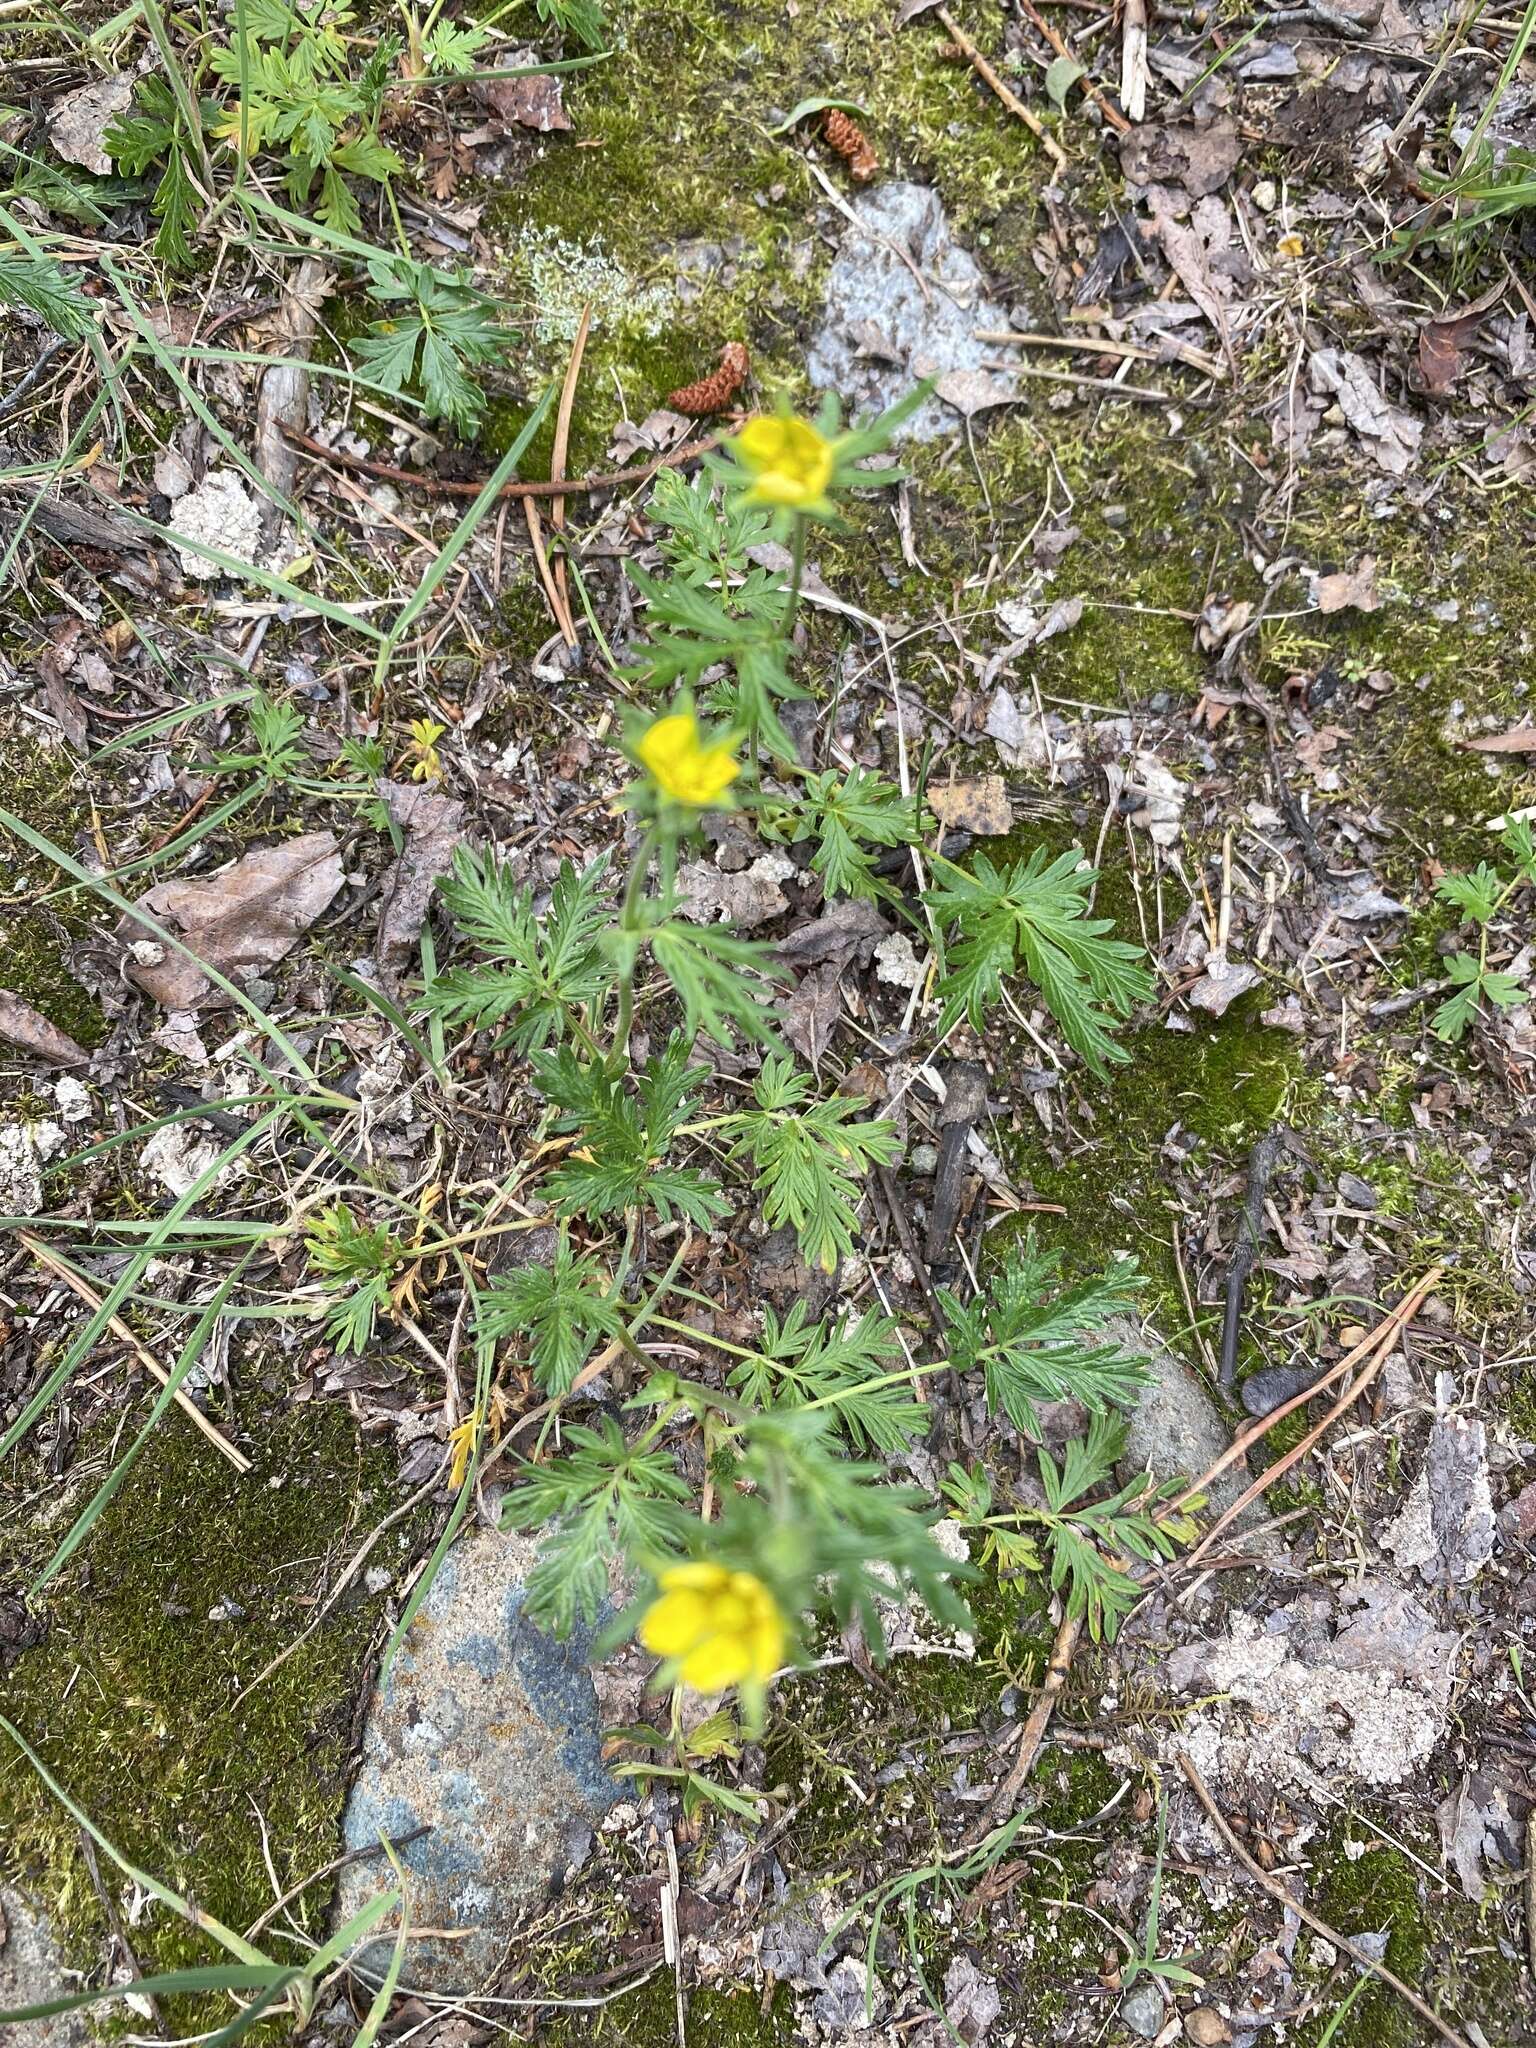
[[681, 765], [790, 462], [422, 750], [723, 1627]]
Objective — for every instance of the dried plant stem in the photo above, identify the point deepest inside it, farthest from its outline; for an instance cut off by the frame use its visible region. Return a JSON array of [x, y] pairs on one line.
[[1277, 1891], [1004, 91], [44, 1257]]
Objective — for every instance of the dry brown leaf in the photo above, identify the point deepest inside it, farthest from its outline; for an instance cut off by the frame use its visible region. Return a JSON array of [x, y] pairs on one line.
[[810, 1016], [433, 825], [1519, 739], [30, 1029], [979, 804], [79, 120], [1349, 589], [248, 917], [1442, 341], [526, 102]]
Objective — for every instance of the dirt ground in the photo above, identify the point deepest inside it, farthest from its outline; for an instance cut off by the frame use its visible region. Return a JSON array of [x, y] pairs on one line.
[[1213, 558]]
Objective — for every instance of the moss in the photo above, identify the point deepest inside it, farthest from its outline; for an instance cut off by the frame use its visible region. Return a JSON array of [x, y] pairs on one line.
[[647, 2018], [41, 787], [131, 1697]]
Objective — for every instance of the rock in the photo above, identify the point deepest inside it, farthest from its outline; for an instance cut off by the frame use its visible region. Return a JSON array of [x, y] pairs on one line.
[[31, 1970], [219, 514], [25, 1150], [1206, 2027], [884, 330], [486, 1731], [1142, 2011], [1176, 1426], [78, 123]]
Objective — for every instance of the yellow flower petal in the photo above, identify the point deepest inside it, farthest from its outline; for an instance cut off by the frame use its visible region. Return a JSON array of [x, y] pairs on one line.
[[791, 463], [676, 1622], [680, 764], [717, 1663]]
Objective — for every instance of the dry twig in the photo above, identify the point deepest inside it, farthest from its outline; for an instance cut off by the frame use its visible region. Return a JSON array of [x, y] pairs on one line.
[[1005, 92], [1277, 1891]]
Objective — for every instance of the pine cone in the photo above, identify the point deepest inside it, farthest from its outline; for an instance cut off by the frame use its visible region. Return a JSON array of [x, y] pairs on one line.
[[715, 392], [847, 138]]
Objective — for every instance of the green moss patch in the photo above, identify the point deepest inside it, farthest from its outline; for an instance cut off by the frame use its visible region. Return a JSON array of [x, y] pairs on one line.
[[131, 1698]]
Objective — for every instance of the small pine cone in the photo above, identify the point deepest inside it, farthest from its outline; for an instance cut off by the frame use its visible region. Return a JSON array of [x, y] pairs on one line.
[[847, 138], [715, 392]]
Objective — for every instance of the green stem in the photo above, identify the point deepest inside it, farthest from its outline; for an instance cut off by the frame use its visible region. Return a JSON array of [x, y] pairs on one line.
[[629, 922]]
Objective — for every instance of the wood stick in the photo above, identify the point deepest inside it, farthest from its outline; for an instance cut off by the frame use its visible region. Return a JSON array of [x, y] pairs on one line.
[[1278, 1892], [1005, 92], [456, 487], [1032, 1734], [1384, 1339], [557, 459], [151, 1364], [1063, 48], [1099, 345], [1406, 1309]]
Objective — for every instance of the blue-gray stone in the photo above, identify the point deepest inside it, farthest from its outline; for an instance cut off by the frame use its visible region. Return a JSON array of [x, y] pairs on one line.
[[486, 1730], [31, 1972]]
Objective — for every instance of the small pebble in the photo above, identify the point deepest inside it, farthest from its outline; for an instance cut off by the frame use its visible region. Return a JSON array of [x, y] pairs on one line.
[[1272, 1385], [1142, 2011], [1206, 2027], [925, 1160]]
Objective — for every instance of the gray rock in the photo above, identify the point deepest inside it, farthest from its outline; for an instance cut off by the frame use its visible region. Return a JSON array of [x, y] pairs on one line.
[[884, 330], [31, 1970], [487, 1731], [1142, 2011], [1176, 1427]]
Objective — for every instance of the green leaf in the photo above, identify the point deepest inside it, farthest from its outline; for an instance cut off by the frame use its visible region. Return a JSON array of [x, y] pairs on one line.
[[1476, 895], [811, 1159], [1037, 1340], [1061, 74], [542, 971], [583, 19], [802, 1361], [718, 979], [620, 1161], [803, 109], [599, 1501], [1034, 916], [48, 289], [561, 1309]]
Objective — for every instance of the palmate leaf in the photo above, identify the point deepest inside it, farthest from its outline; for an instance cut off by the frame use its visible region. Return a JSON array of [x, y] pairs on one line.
[[561, 1309], [846, 814], [1037, 1340], [1475, 894], [704, 628], [811, 1158], [718, 978], [619, 1161], [802, 1361], [540, 971], [1034, 916], [1474, 986], [599, 1501], [583, 19], [441, 328], [47, 289], [707, 534]]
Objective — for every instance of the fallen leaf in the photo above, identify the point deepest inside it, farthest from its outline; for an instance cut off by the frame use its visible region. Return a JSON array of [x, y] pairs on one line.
[[30, 1029], [1222, 983], [843, 933], [53, 665], [1349, 589], [810, 1016], [248, 917], [433, 825], [979, 804], [1392, 435], [1519, 739], [974, 391], [1442, 341], [1200, 159], [1188, 257], [748, 897], [526, 102], [81, 118]]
